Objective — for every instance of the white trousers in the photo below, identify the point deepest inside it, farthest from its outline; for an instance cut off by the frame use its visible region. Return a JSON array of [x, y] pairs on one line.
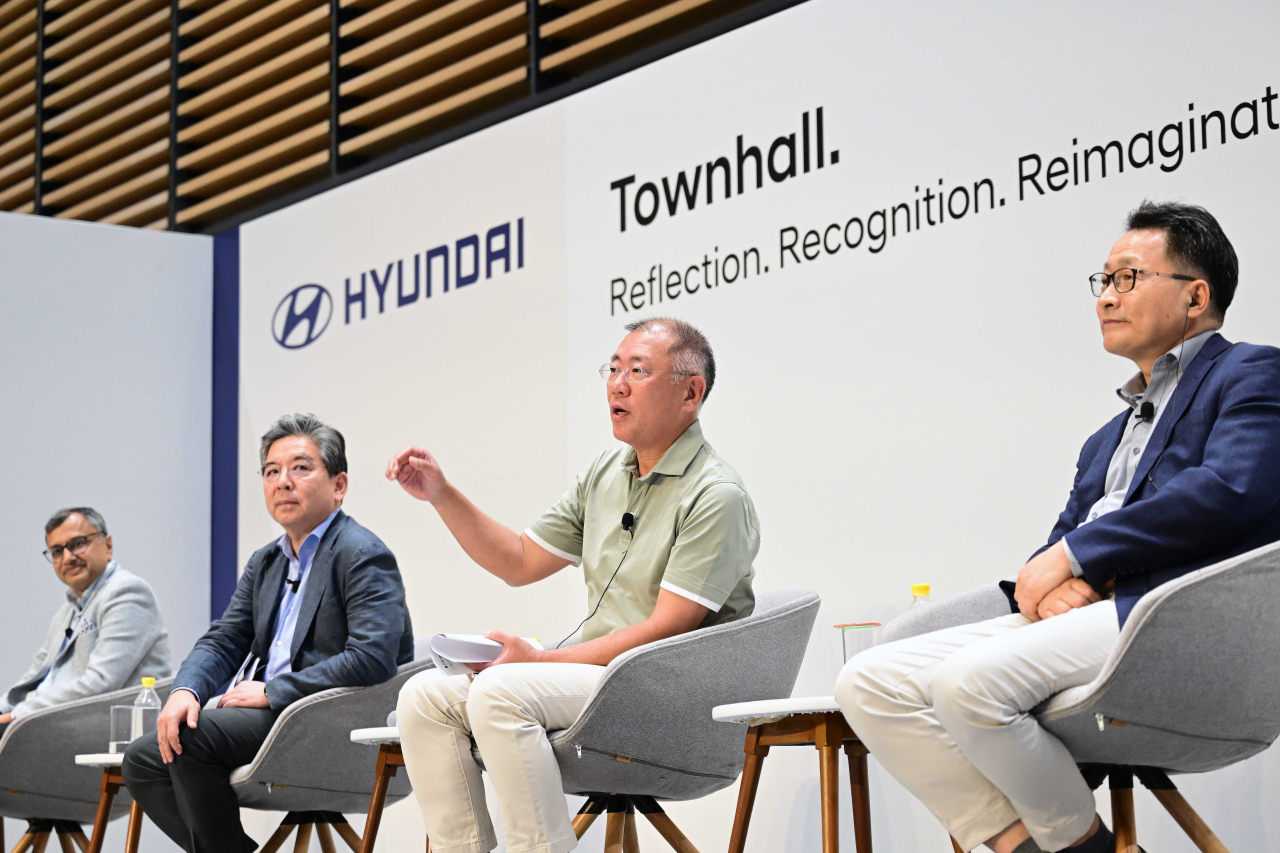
[[508, 710], [948, 714]]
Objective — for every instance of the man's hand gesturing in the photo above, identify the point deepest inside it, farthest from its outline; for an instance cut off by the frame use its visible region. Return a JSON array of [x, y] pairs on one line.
[[182, 707], [417, 472]]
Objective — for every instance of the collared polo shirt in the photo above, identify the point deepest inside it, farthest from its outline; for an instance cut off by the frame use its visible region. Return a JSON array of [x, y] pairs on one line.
[[695, 534]]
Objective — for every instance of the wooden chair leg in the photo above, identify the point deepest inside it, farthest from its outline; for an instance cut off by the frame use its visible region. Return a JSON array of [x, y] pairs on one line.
[[326, 838], [630, 838], [302, 843], [278, 838], [860, 790], [666, 827], [81, 840], [64, 841], [1125, 825], [386, 770], [24, 843], [747, 788], [349, 836], [1195, 828], [955, 846], [613, 831], [42, 841], [591, 809], [111, 782]]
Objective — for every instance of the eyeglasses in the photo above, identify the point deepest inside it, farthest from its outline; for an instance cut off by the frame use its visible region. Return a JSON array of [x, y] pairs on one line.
[[76, 546], [634, 375], [297, 471], [1124, 280]]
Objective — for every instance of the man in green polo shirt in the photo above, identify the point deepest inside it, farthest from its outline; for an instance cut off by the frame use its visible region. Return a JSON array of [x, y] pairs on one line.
[[665, 533]]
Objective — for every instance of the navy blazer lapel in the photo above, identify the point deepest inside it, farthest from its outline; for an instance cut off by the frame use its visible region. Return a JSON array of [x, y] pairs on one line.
[[268, 600], [317, 582], [1188, 385], [1093, 484]]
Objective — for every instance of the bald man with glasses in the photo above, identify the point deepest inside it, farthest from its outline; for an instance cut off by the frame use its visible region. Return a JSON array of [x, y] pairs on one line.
[[108, 633]]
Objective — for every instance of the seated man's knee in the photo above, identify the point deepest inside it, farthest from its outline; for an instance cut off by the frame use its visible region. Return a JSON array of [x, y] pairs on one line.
[[142, 760], [864, 682], [493, 695], [962, 694], [423, 700]]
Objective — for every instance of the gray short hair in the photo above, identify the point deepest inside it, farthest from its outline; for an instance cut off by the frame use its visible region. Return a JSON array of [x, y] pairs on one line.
[[690, 351], [331, 444], [89, 514]]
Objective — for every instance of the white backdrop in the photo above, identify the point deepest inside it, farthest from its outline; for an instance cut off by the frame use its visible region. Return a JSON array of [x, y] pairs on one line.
[[910, 414], [105, 342]]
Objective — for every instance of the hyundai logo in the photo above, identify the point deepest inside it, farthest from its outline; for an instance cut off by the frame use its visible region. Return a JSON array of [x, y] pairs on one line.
[[302, 316]]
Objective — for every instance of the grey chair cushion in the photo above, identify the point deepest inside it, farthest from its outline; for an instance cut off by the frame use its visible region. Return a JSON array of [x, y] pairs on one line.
[[37, 758], [975, 605], [308, 762], [647, 727]]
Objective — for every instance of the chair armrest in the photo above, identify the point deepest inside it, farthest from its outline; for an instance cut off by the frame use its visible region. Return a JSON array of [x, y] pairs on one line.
[[975, 605], [654, 702]]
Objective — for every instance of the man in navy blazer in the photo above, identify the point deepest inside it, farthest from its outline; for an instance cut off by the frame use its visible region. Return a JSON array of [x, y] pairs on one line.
[[321, 607], [1184, 476]]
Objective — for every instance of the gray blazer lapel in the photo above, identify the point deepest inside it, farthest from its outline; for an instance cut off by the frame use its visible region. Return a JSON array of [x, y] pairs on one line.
[[268, 602], [1182, 397], [317, 583]]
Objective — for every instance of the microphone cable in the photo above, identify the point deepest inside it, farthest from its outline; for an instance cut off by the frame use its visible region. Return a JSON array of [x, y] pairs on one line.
[[628, 524]]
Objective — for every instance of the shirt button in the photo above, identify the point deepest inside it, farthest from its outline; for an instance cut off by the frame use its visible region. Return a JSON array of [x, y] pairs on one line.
[[1135, 451], [1093, 516]]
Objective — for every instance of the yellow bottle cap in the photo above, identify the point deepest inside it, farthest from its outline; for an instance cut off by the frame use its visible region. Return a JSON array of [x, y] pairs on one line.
[[919, 589], [148, 681]]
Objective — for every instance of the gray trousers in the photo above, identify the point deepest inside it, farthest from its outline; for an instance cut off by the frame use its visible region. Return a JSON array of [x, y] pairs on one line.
[[191, 799]]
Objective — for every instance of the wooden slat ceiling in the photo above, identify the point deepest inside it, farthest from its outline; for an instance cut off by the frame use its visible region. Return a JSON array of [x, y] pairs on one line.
[[17, 103], [253, 101]]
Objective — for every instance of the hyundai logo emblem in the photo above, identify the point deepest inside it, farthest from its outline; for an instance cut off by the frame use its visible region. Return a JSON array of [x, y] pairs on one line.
[[302, 316]]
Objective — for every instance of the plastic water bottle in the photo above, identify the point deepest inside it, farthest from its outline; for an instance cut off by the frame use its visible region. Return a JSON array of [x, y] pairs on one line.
[[919, 595], [146, 707]]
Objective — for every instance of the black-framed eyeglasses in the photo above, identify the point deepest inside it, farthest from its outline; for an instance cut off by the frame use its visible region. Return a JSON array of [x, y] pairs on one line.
[[633, 375], [1123, 280], [76, 546]]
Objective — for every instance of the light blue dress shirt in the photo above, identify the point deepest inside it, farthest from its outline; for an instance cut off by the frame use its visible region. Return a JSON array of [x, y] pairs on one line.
[[278, 659], [1165, 373]]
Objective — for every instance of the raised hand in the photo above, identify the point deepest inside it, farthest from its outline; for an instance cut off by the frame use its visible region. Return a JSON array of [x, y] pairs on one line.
[[417, 472]]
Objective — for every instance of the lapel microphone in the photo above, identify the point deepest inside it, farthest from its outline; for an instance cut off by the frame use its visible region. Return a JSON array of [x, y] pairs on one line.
[[1147, 412], [294, 582], [628, 522]]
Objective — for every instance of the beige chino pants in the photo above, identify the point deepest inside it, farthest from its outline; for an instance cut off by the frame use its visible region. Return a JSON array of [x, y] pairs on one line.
[[508, 710], [948, 714]]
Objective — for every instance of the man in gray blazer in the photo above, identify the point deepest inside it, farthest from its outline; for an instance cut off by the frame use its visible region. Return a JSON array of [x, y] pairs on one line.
[[107, 635], [323, 606]]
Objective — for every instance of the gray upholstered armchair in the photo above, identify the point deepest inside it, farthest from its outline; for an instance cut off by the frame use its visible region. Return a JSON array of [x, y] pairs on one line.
[[646, 733], [38, 767], [309, 767], [1193, 684]]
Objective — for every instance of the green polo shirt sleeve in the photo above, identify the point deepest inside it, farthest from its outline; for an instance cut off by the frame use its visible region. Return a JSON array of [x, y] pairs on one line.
[[559, 529], [714, 549]]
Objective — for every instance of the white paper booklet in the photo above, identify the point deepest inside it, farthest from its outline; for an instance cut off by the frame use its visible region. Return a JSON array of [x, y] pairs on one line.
[[452, 652]]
